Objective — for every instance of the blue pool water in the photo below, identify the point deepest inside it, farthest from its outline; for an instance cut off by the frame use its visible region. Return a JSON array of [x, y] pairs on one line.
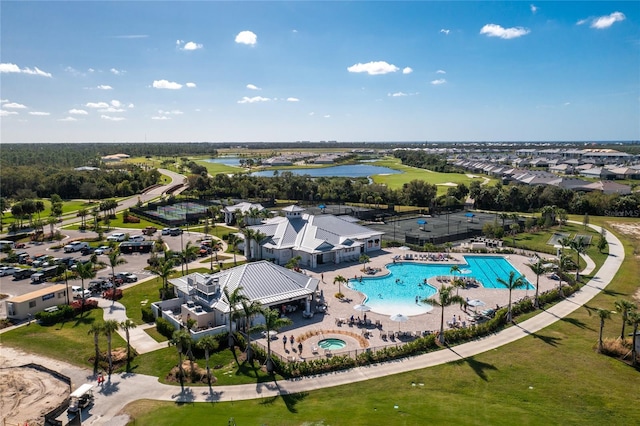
[[397, 291], [332, 343]]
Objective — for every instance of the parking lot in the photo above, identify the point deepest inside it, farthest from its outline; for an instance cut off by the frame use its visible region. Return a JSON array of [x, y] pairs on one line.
[[136, 262]]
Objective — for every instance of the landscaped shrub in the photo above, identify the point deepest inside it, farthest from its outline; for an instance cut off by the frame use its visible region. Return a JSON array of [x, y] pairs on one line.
[[89, 304], [165, 328], [130, 219], [112, 294], [147, 314], [50, 318]]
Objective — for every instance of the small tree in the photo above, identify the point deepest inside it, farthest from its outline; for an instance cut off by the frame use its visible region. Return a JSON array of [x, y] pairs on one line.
[[364, 259], [110, 327], [511, 284], [272, 321], [181, 339], [96, 330], [537, 269], [234, 299], [127, 325], [444, 298], [634, 320], [208, 344], [340, 280], [624, 307], [603, 314], [602, 241]]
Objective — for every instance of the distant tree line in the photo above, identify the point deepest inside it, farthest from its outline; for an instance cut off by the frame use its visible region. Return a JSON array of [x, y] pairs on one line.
[[423, 160]]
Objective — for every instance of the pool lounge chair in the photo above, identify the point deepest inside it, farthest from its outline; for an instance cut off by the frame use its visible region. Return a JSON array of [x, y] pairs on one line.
[[314, 349]]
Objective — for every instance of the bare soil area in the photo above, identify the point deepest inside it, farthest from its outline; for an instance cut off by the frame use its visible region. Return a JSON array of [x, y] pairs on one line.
[[26, 394], [632, 231]]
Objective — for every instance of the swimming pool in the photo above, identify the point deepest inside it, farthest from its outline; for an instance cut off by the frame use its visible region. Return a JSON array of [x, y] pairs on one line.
[[397, 291], [332, 343]]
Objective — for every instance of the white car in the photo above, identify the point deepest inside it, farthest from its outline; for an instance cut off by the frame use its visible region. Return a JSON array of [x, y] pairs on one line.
[[7, 270], [103, 250], [166, 231], [118, 237], [136, 238]]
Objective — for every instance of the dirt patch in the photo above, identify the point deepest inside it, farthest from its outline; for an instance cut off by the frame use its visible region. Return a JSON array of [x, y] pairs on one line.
[[629, 229], [26, 394]]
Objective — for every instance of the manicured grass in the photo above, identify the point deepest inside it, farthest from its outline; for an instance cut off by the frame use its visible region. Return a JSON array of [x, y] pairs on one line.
[[217, 168], [217, 231], [133, 297], [153, 332], [554, 376], [67, 341], [412, 173]]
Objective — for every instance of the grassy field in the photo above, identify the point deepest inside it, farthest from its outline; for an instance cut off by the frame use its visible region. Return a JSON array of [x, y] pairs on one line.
[[554, 376], [216, 168]]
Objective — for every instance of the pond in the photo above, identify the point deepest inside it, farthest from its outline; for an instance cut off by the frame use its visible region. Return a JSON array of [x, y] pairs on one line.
[[228, 161], [351, 170]]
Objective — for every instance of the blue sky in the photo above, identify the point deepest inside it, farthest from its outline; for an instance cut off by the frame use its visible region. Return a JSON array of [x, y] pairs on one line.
[[347, 71]]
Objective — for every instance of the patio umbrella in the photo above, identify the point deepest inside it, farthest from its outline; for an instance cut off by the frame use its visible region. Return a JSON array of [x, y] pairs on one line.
[[465, 271], [421, 222], [399, 318], [322, 206], [362, 308], [404, 248], [470, 215], [475, 303]]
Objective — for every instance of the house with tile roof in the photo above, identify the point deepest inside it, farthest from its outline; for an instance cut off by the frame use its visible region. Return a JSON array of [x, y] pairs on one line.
[[317, 239]]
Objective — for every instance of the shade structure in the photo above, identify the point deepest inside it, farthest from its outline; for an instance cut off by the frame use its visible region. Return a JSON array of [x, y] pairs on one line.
[[362, 308], [399, 318], [421, 222], [475, 303]]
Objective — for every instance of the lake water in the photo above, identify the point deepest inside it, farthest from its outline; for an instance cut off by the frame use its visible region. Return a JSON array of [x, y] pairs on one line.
[[351, 170], [229, 161]]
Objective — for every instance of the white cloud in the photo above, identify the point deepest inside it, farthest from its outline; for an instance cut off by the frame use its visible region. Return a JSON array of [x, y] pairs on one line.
[[397, 94], [441, 72], [97, 105], [192, 46], [78, 112], [582, 21], [4, 113], [130, 106], [327, 116], [91, 70], [160, 117], [445, 31], [164, 84], [438, 81], [14, 105], [247, 37], [74, 72], [108, 117], [190, 85], [606, 21], [172, 112], [116, 103], [253, 87], [104, 87], [3, 101], [117, 71], [40, 113], [373, 68], [67, 119], [13, 68], [407, 70], [312, 113], [248, 100], [493, 30], [533, 8], [293, 100], [111, 109]]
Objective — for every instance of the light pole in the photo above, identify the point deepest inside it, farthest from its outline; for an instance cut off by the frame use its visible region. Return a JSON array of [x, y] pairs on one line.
[[66, 283]]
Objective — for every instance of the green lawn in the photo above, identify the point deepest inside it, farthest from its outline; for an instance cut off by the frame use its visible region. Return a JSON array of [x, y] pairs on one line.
[[217, 168], [412, 173]]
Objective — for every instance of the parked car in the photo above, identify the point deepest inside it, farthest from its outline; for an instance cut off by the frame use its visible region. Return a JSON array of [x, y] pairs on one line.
[[75, 246], [175, 231], [166, 231], [149, 230], [103, 250], [129, 277], [78, 293], [117, 237], [136, 238], [87, 251], [8, 270], [98, 285], [21, 274]]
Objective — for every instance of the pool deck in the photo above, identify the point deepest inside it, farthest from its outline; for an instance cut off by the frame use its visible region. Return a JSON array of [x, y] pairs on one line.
[[358, 338]]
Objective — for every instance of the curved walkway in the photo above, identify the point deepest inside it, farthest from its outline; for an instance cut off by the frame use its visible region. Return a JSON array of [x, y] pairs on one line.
[[125, 388]]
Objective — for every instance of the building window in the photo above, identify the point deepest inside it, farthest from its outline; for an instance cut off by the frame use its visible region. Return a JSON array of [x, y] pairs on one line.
[[32, 304]]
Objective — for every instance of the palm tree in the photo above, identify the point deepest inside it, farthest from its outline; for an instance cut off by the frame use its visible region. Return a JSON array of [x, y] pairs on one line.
[[364, 259], [110, 327], [234, 298], [84, 271], [208, 344], [603, 314], [563, 262], [248, 234], [96, 331], [83, 218], [258, 237], [115, 260], [163, 269], [444, 298], [634, 319], [512, 284], [272, 321], [127, 325], [537, 269], [340, 280], [457, 284], [190, 252], [232, 242], [625, 307], [180, 339], [249, 309], [579, 247], [293, 263]]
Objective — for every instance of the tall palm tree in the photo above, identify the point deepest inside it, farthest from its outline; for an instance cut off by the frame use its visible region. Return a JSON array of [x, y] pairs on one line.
[[234, 298], [272, 321], [249, 309], [258, 237], [248, 234], [208, 344], [443, 298], [190, 252], [96, 331], [83, 217], [127, 325], [115, 260], [163, 269], [579, 247], [453, 270], [625, 307], [537, 269], [110, 327], [232, 242], [563, 262], [603, 314], [364, 259], [511, 284], [84, 271], [340, 280], [634, 319], [180, 339]]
